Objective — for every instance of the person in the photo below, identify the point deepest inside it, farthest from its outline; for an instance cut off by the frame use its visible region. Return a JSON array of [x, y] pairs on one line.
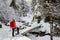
[[14, 26]]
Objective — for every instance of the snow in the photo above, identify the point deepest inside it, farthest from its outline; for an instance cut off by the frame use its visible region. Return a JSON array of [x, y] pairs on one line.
[[43, 38], [28, 18], [9, 12], [5, 34], [28, 0], [46, 37], [19, 24], [46, 26], [23, 38], [56, 38], [6, 31], [34, 25]]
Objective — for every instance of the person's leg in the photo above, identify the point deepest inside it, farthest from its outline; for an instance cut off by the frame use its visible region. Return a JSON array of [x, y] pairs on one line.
[[17, 30], [13, 32]]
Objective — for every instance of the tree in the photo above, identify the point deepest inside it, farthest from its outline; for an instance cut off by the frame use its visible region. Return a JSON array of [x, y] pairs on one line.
[[33, 4], [24, 8], [13, 4]]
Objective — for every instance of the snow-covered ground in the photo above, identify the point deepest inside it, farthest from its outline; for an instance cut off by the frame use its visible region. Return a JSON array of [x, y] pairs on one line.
[[33, 37], [5, 33]]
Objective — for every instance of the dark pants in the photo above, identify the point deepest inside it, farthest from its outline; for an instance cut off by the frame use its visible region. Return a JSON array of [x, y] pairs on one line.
[[13, 31]]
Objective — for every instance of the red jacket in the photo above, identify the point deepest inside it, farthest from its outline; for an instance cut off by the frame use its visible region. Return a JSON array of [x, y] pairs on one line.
[[13, 24]]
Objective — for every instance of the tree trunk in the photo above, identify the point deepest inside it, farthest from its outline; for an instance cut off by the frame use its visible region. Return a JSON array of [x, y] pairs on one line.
[[51, 27]]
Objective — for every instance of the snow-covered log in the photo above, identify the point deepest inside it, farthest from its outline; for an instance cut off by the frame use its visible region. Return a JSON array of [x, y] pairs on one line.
[[29, 28]]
